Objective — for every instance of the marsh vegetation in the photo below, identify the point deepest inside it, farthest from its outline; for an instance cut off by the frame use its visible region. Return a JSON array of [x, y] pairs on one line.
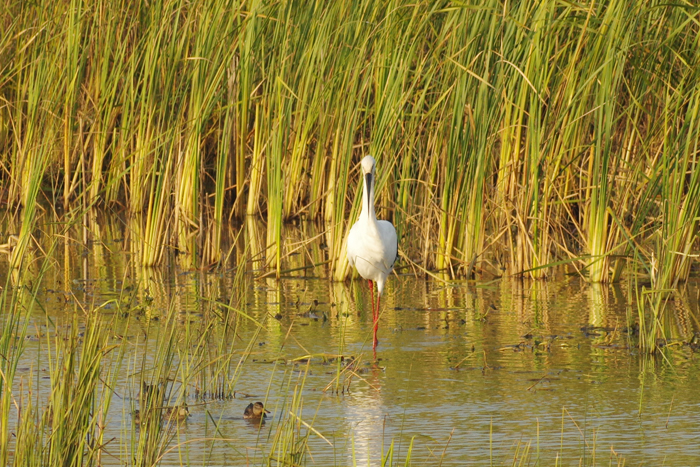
[[548, 141]]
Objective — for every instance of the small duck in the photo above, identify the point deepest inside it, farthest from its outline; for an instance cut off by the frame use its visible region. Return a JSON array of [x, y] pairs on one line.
[[176, 413], [255, 411], [151, 395]]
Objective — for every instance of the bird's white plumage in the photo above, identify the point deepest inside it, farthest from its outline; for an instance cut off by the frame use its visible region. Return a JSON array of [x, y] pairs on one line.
[[372, 244]]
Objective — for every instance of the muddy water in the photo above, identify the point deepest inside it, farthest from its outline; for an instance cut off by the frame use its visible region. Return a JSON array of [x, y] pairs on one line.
[[465, 373]]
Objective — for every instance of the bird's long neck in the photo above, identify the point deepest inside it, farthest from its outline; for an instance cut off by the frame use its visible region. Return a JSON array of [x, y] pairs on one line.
[[368, 198]]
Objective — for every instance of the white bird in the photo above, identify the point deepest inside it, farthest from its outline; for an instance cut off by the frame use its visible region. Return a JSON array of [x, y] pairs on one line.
[[372, 245]]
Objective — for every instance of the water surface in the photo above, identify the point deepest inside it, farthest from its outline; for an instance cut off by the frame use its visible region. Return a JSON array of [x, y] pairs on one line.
[[470, 373]]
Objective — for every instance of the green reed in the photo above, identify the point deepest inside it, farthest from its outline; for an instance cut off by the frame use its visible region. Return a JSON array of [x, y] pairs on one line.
[[80, 373], [18, 296], [12, 341], [511, 134]]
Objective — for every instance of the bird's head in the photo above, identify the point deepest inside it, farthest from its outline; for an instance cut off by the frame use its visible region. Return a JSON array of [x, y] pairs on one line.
[[368, 163], [260, 410]]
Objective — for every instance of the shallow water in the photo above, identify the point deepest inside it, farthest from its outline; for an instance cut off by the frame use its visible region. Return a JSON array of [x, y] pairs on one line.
[[470, 373]]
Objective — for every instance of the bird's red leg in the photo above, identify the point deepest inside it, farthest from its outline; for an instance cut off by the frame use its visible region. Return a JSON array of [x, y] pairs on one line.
[[376, 323], [375, 315]]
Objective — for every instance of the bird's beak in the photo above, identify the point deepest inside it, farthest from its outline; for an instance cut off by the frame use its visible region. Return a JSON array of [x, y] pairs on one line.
[[267, 411], [368, 182]]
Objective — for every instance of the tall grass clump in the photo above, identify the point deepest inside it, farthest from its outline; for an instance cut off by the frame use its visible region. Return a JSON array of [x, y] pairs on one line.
[[12, 341], [82, 377]]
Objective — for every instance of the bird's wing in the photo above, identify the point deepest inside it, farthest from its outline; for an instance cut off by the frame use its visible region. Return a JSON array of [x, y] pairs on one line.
[[391, 243]]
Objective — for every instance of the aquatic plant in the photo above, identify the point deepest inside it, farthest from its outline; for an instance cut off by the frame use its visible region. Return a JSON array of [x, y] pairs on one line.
[[524, 134]]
